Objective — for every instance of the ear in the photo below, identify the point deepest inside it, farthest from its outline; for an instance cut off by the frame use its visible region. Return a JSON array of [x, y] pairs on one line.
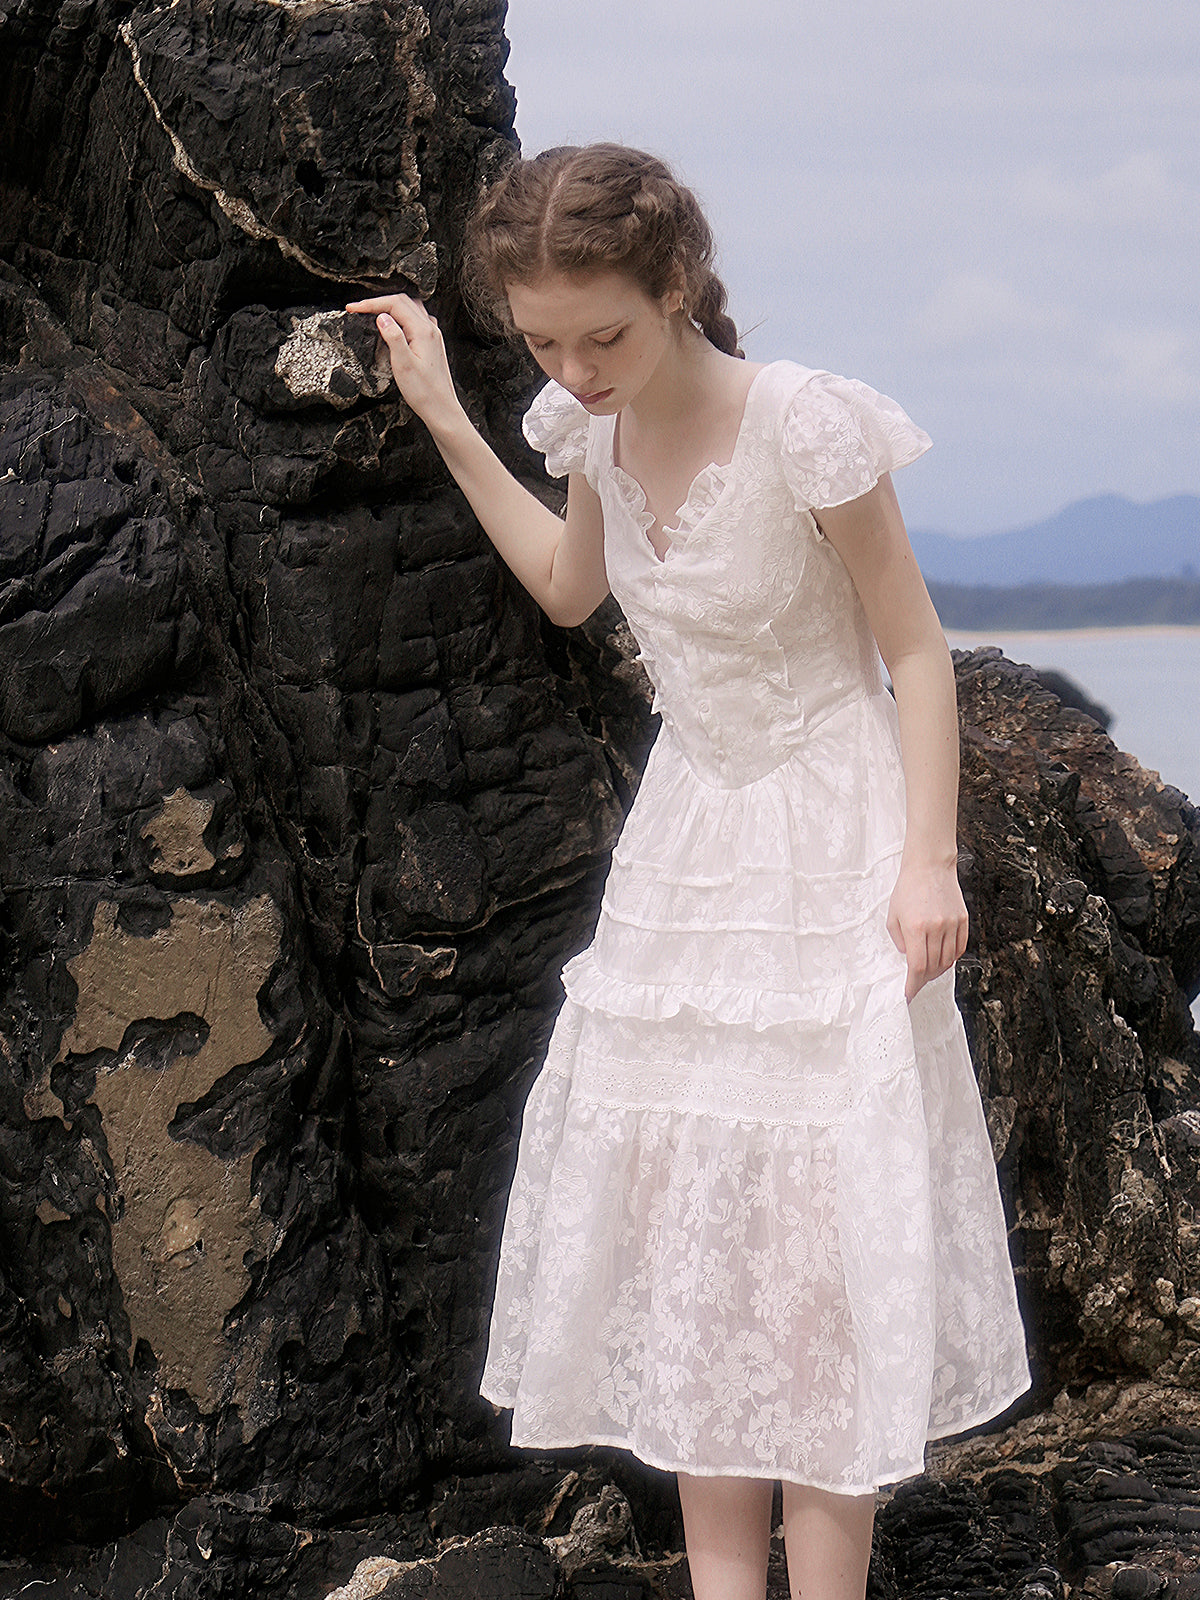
[[674, 296]]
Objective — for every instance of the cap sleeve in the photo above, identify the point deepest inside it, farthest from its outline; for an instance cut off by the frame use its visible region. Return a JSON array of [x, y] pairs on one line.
[[840, 437], [557, 425]]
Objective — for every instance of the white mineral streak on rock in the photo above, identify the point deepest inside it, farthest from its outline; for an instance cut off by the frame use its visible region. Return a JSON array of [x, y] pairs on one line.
[[314, 351], [418, 265], [371, 1577]]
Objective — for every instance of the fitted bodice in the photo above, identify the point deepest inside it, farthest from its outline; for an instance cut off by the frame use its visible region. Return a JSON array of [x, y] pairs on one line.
[[749, 628]]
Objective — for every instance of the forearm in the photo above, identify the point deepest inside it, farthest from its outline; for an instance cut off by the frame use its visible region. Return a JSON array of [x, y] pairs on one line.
[[560, 563], [926, 915], [526, 534], [923, 679]]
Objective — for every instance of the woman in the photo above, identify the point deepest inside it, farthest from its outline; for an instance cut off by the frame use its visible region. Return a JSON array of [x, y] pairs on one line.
[[754, 1231]]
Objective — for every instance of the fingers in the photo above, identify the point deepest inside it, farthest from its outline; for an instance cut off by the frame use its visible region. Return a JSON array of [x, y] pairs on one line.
[[916, 976], [406, 328], [930, 953], [380, 302], [927, 922], [416, 353], [914, 947], [405, 324], [402, 308], [920, 969], [393, 333]]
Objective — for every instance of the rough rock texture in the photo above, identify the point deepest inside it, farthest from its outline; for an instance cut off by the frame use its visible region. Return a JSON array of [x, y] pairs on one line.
[[299, 818], [1117, 1518], [1082, 873], [301, 808]]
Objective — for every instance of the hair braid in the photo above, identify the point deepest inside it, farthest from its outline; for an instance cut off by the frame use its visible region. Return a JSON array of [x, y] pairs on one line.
[[709, 314], [591, 209]]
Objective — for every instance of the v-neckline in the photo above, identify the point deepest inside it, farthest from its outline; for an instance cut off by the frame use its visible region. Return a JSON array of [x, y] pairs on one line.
[[644, 515]]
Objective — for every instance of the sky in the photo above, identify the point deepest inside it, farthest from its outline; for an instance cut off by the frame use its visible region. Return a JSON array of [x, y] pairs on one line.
[[990, 211]]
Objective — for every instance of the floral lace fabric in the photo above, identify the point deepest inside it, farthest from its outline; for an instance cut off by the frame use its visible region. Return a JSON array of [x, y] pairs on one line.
[[755, 1228]]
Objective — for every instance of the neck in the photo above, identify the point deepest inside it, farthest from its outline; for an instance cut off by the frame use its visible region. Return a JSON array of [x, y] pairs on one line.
[[690, 374]]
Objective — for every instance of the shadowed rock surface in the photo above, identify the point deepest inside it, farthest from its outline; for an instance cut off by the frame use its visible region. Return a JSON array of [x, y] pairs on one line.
[[298, 819], [1083, 878], [301, 809]]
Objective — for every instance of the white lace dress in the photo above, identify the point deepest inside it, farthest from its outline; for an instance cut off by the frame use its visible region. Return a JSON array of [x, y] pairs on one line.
[[754, 1228]]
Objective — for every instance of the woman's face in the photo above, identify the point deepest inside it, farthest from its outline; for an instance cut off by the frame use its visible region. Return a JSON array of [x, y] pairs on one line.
[[600, 335]]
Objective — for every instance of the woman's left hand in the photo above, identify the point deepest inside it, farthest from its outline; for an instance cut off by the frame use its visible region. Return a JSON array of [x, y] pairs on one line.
[[927, 920]]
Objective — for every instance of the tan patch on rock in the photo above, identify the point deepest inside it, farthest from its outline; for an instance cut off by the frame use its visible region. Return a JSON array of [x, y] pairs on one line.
[[186, 1218], [370, 1577], [1039, 1442], [178, 834], [41, 1101]]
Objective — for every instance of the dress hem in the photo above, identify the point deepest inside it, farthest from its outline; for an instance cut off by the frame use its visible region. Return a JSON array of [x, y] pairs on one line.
[[651, 1459], [975, 1421]]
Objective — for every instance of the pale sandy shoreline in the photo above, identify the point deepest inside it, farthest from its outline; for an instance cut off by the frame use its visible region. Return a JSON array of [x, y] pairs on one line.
[[977, 636]]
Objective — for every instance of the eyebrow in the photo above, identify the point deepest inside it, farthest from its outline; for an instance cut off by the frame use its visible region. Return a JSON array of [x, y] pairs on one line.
[[528, 333]]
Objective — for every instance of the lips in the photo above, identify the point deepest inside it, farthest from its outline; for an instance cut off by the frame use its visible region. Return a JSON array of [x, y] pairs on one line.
[[593, 399]]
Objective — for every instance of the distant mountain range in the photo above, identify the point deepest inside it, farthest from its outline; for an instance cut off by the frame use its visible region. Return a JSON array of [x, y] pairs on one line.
[[1099, 541], [1132, 603]]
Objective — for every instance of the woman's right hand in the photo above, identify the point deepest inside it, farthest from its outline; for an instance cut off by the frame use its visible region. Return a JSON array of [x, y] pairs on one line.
[[418, 357]]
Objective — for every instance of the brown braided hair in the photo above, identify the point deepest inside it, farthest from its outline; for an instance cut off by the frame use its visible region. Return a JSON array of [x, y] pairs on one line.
[[595, 208]]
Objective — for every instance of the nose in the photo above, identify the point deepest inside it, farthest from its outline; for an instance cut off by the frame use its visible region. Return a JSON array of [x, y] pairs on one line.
[[578, 369]]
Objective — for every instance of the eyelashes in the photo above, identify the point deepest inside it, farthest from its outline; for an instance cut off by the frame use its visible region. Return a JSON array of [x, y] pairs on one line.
[[604, 344]]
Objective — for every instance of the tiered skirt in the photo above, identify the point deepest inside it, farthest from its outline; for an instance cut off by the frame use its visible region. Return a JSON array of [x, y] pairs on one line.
[[755, 1228]]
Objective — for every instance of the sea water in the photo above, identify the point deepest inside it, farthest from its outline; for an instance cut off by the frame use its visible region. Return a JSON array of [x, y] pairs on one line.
[[1148, 678]]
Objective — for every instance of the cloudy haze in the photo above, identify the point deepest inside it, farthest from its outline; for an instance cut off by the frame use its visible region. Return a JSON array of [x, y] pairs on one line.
[[990, 211]]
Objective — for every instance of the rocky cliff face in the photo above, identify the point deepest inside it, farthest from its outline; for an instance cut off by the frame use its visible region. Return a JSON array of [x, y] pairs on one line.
[[298, 817], [302, 807]]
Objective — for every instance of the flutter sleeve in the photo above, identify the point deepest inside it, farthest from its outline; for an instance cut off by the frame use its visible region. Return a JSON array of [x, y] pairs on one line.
[[840, 437], [557, 425]]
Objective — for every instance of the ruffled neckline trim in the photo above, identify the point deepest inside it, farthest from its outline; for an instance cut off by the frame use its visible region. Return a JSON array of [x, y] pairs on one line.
[[707, 488]]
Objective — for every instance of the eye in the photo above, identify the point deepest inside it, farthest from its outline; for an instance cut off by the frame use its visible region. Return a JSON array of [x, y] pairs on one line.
[[604, 343], [535, 346]]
